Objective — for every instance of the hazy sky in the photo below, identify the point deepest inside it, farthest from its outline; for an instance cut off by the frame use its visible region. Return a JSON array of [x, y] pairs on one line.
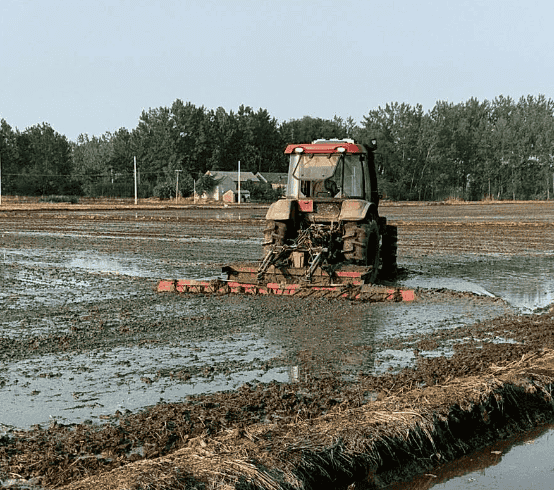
[[91, 67]]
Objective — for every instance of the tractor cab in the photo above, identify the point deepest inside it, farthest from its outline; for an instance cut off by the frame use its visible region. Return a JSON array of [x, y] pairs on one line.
[[331, 169]]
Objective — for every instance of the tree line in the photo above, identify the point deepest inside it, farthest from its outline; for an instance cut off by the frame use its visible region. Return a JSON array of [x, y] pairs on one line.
[[471, 150], [500, 149]]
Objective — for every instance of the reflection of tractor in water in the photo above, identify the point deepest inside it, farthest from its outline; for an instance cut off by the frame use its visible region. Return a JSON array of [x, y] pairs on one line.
[[329, 216]]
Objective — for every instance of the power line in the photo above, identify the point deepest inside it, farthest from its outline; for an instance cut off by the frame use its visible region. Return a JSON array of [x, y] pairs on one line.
[[168, 173]]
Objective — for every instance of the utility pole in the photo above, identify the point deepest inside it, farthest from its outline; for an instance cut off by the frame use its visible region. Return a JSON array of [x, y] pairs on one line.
[[177, 185], [0, 180], [239, 184], [136, 197]]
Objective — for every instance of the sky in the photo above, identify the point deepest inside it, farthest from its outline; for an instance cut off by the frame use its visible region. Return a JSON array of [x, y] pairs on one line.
[[92, 67]]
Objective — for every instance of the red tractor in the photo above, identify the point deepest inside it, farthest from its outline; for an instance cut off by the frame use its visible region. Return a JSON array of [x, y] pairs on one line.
[[324, 238], [328, 221]]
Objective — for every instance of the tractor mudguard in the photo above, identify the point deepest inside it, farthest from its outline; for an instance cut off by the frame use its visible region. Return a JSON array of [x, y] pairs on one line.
[[356, 209], [279, 210]]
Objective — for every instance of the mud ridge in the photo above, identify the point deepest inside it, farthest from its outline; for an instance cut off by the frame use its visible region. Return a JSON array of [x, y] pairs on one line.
[[362, 448]]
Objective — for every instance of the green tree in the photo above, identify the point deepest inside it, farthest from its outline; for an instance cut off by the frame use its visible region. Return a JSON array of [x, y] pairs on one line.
[[206, 183], [225, 139], [260, 147], [262, 191], [400, 153], [462, 131], [9, 157], [167, 189], [193, 143], [45, 162], [534, 145], [91, 164], [155, 144], [308, 129], [121, 156], [502, 138]]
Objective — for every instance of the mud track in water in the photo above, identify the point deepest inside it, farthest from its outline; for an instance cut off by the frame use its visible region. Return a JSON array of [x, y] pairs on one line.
[[98, 372]]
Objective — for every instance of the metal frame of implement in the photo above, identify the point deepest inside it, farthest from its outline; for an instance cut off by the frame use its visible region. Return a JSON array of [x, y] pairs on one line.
[[362, 292]]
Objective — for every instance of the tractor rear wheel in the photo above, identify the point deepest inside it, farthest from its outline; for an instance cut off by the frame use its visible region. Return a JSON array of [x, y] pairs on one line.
[[274, 235], [361, 246], [389, 251]]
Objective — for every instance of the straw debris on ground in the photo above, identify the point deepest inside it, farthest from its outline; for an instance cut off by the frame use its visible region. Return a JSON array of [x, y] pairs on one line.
[[356, 445], [362, 444]]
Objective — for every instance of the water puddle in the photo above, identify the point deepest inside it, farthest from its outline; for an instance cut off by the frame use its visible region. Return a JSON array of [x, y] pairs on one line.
[[526, 283], [39, 284], [451, 283], [37, 277], [179, 238], [47, 278], [73, 388], [113, 264]]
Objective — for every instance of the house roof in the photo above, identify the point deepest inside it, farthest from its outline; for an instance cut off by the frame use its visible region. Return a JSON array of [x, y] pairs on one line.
[[244, 176], [273, 177], [242, 191]]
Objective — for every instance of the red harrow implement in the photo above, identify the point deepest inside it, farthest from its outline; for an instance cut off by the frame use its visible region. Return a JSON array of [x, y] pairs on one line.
[[242, 279]]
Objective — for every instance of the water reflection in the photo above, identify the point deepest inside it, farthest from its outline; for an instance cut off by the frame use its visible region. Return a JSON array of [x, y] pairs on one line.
[[521, 461], [320, 340], [324, 342], [74, 387], [525, 283], [110, 264]]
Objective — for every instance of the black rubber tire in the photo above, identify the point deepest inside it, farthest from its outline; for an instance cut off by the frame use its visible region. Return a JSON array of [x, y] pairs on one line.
[[360, 246], [389, 252], [275, 233]]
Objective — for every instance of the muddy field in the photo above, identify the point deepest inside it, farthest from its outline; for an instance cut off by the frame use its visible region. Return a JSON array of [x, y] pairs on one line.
[[87, 345]]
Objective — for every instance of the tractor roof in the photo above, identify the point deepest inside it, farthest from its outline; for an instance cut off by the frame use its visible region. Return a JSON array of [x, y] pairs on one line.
[[326, 146]]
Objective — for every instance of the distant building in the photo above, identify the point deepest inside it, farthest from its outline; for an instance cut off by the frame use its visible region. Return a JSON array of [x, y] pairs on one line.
[[227, 187], [231, 196], [276, 180]]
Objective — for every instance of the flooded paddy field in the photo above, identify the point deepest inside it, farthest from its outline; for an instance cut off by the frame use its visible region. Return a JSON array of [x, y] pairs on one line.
[[85, 339]]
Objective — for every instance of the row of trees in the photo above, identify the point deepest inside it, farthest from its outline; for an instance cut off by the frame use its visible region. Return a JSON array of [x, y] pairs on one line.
[[182, 142], [35, 162], [469, 150]]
